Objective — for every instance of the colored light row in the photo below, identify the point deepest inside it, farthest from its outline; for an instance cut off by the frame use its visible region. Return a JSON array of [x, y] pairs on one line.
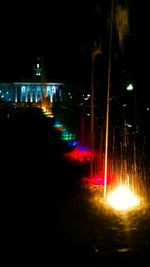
[[81, 154]]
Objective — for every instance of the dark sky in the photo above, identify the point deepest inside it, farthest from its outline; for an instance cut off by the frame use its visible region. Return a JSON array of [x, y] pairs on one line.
[[29, 29], [62, 33]]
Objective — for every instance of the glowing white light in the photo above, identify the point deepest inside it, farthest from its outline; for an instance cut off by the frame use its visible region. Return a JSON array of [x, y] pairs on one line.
[[129, 125], [130, 87], [123, 199]]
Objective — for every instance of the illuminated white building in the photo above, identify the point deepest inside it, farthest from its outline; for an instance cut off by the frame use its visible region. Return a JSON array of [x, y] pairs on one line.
[[31, 91]]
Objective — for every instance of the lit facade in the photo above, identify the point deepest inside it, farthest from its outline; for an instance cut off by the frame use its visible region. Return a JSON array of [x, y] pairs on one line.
[[31, 91], [28, 92]]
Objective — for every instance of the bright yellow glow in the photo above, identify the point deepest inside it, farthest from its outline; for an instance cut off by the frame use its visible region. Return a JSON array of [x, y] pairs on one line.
[[43, 108], [122, 198]]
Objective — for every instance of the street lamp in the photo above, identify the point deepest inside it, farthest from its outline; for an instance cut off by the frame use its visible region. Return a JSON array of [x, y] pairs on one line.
[[130, 87]]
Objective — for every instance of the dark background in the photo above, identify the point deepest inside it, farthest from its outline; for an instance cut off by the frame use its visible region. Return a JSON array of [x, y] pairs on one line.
[[63, 33]]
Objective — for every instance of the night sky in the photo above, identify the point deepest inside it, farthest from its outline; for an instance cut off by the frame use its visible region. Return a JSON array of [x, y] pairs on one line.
[[63, 33]]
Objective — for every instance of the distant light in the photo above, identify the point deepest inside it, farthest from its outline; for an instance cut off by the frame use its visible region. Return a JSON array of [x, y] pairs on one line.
[[51, 115], [147, 109], [38, 65], [68, 137], [130, 87], [57, 125], [7, 92], [129, 125], [2, 96], [0, 91], [73, 143], [124, 105]]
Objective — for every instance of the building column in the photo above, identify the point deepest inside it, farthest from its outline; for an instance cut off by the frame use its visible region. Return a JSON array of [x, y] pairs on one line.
[[51, 98], [20, 95], [31, 96], [60, 96], [26, 96], [16, 98], [36, 94]]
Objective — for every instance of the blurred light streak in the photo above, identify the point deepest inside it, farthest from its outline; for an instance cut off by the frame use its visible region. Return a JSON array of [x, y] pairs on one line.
[[122, 23]]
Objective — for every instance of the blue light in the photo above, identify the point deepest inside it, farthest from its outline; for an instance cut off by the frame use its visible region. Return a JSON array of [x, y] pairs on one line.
[[73, 143], [84, 148]]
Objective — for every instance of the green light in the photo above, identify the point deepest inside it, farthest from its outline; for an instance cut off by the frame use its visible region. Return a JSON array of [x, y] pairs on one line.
[[58, 125], [68, 137]]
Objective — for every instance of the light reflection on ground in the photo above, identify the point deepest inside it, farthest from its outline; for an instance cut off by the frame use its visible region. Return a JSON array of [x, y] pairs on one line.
[[118, 232]]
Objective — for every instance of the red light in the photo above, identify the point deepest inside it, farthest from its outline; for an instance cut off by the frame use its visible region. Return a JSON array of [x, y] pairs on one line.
[[96, 180], [60, 128], [80, 155]]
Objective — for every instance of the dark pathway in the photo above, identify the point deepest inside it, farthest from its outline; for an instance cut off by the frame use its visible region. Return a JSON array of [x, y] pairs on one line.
[[47, 218]]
